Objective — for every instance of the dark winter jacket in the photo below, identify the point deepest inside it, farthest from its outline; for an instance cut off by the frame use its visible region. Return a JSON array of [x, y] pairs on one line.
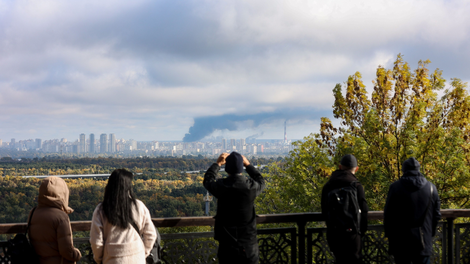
[[347, 247], [406, 204], [343, 178], [236, 218]]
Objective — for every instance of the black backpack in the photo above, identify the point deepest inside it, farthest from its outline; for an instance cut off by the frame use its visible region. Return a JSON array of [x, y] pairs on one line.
[[19, 250], [344, 214]]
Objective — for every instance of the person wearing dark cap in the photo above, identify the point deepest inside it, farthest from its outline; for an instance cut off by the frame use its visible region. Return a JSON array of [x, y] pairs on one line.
[[344, 239], [235, 221], [411, 215]]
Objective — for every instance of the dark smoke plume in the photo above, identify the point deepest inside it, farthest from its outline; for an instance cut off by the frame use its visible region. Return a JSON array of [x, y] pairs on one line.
[[206, 125]]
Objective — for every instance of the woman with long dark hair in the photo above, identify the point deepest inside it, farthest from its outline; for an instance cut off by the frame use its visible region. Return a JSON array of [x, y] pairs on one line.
[[113, 234]]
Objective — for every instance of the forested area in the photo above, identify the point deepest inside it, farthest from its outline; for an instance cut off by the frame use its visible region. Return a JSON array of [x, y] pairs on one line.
[[163, 185]]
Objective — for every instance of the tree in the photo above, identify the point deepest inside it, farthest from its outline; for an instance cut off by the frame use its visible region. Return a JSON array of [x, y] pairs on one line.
[[404, 117]]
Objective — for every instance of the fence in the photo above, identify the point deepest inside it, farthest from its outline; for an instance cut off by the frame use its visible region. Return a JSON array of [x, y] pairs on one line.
[[298, 244]]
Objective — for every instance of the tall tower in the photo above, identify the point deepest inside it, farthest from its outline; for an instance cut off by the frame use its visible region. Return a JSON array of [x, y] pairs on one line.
[[103, 143], [112, 143], [285, 132], [92, 143], [82, 143]]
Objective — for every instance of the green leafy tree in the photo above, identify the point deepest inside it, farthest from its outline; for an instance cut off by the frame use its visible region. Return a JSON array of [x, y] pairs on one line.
[[410, 113]]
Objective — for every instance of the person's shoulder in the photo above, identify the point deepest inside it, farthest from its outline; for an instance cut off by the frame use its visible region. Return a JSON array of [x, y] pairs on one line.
[[140, 205]]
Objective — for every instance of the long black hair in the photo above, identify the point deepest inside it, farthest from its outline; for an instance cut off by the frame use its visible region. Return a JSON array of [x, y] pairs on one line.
[[119, 198]]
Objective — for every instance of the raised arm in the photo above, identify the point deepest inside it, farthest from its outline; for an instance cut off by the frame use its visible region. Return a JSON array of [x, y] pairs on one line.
[[255, 175], [210, 177]]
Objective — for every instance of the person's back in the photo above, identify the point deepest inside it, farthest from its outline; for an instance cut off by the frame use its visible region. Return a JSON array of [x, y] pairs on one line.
[[411, 215], [235, 222], [50, 232], [345, 244], [121, 228]]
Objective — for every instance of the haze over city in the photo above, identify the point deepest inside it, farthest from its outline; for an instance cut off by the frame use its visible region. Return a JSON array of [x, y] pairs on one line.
[[174, 70]]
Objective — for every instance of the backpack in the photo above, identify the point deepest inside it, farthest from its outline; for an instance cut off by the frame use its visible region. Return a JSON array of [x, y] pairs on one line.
[[19, 250], [344, 214]]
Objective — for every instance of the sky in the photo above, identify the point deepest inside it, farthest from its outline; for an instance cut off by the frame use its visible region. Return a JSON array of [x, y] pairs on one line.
[[159, 69]]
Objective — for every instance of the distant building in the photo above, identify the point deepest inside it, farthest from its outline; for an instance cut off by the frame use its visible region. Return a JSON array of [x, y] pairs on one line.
[[91, 149], [112, 143], [38, 143], [1, 143], [82, 148], [75, 149], [233, 145], [103, 143], [224, 144]]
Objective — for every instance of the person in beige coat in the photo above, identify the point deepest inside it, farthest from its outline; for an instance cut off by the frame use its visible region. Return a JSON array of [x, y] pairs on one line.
[[113, 238], [50, 232]]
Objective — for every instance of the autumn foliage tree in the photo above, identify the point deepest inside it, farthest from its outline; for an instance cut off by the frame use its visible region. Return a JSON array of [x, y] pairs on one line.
[[410, 113]]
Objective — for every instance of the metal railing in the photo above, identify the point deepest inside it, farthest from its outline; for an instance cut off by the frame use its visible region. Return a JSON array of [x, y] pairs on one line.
[[297, 244]]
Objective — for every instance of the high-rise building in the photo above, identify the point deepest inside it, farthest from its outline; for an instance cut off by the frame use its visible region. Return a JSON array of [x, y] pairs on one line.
[[242, 145], [1, 143], [112, 143], [82, 148], [233, 145], [38, 143], [103, 143], [92, 143], [224, 144]]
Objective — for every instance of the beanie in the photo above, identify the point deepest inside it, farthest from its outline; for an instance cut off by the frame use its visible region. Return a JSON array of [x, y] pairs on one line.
[[234, 163], [349, 161]]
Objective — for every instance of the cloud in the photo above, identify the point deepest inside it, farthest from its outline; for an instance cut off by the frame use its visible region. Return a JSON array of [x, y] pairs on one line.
[[163, 65]]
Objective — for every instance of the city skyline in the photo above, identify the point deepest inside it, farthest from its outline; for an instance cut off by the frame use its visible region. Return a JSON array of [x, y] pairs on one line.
[[94, 147], [189, 69]]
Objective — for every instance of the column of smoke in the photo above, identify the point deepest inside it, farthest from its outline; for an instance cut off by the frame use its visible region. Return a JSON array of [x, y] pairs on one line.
[[205, 126]]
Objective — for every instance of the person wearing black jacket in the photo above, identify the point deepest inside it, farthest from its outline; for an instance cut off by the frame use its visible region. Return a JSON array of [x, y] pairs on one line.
[[235, 222], [411, 215], [346, 246]]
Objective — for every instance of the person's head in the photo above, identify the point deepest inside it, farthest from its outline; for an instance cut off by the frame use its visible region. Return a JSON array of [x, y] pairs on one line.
[[349, 163], [410, 165], [54, 192], [234, 163], [118, 198]]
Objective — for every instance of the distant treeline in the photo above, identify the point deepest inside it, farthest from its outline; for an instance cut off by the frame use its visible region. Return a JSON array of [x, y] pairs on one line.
[[61, 166], [162, 185]]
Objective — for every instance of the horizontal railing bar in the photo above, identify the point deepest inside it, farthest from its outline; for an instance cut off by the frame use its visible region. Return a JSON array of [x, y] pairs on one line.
[[209, 221], [187, 235]]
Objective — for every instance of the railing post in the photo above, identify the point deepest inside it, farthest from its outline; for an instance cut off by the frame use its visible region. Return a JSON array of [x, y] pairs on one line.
[[301, 236], [450, 241]]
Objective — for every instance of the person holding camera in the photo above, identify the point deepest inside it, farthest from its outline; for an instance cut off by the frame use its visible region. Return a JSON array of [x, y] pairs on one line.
[[235, 222]]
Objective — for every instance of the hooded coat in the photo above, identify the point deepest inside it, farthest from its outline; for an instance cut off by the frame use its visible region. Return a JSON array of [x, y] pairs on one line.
[[50, 232], [345, 246], [235, 222], [410, 205]]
